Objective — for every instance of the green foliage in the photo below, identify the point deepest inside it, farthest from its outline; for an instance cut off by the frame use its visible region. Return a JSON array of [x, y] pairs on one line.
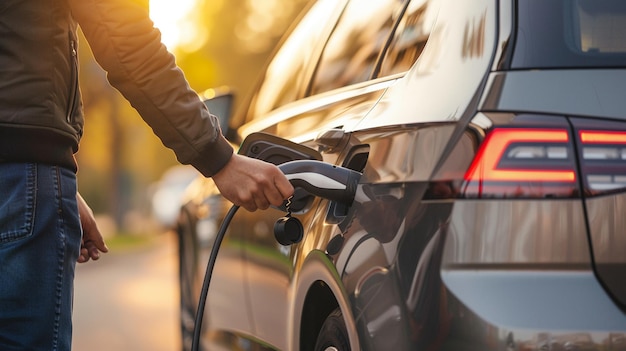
[[126, 241]]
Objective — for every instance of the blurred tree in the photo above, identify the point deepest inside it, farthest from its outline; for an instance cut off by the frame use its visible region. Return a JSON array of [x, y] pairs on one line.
[[120, 156], [239, 36]]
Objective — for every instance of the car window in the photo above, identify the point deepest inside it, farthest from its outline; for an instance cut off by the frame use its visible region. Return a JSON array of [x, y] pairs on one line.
[[576, 33], [410, 37], [353, 48], [286, 76], [601, 26]]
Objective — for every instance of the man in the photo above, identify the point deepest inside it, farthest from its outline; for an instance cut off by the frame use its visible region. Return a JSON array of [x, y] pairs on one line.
[[42, 216]]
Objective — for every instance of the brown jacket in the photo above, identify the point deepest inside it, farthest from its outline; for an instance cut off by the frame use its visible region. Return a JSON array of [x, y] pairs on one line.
[[40, 110]]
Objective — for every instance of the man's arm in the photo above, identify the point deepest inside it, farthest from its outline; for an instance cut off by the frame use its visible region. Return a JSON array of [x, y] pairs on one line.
[[126, 44], [128, 47]]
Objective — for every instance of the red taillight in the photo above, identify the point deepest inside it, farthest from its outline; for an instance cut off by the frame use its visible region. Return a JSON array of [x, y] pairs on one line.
[[589, 137], [523, 162], [602, 155]]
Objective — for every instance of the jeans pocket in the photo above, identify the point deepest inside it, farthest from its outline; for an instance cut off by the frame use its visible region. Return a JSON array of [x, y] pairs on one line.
[[18, 184]]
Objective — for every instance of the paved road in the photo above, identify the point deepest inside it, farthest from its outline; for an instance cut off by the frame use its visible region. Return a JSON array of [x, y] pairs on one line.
[[128, 300]]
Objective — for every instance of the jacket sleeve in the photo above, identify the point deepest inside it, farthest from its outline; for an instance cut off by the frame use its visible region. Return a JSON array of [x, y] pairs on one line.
[[128, 47]]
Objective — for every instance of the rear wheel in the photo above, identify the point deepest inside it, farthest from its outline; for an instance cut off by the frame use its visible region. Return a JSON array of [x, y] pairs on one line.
[[334, 335]]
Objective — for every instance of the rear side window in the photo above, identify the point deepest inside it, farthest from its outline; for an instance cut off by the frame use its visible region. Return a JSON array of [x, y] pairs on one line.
[[356, 43], [570, 34], [287, 75], [410, 37], [601, 26]]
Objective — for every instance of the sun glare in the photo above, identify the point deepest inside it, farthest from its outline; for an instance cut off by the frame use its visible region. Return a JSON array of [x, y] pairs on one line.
[[177, 23]]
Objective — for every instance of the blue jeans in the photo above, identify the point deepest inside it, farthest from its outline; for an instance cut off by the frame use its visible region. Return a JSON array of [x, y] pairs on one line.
[[40, 237]]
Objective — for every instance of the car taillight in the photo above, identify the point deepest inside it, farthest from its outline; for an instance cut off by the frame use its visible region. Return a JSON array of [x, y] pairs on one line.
[[602, 153], [523, 163]]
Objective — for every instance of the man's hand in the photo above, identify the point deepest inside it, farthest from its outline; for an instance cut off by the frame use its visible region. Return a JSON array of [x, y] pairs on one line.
[[92, 243], [252, 184]]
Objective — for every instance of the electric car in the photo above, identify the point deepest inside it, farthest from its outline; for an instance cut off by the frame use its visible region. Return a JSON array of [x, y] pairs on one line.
[[490, 212]]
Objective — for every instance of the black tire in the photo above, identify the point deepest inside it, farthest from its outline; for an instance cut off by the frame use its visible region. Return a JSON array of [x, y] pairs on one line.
[[334, 335]]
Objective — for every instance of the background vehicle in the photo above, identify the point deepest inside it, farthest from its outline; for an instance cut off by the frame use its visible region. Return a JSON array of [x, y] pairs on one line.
[[492, 140]]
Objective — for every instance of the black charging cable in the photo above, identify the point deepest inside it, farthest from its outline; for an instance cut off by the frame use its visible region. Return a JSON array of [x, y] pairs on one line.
[[197, 328]]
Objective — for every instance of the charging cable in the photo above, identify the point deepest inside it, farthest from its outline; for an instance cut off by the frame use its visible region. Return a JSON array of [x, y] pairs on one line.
[[197, 329]]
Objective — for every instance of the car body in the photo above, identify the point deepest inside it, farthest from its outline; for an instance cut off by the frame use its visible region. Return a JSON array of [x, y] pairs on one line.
[[491, 138]]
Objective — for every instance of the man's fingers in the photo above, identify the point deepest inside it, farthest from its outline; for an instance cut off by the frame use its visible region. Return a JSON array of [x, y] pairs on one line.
[[83, 256], [284, 190], [249, 207], [262, 204], [101, 245], [92, 249], [274, 197], [97, 243]]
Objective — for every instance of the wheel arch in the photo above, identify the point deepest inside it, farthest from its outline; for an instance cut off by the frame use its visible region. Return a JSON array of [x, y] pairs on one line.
[[318, 291], [319, 303]]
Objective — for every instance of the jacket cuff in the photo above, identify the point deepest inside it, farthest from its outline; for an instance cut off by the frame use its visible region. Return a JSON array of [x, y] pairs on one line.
[[214, 158]]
